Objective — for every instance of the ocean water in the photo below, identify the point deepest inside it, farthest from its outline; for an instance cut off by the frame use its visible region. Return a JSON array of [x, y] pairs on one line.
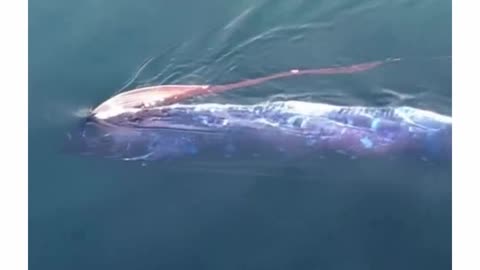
[[87, 213]]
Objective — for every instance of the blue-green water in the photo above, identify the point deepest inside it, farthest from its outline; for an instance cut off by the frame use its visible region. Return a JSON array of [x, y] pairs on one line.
[[335, 214]]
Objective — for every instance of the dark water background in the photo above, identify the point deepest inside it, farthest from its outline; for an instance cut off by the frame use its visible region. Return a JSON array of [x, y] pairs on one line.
[[333, 214]]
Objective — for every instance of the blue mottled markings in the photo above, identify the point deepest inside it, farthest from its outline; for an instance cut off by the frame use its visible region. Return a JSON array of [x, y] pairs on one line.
[[367, 143], [295, 121]]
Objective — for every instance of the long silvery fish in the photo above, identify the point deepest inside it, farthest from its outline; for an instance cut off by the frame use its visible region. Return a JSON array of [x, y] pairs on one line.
[[152, 123]]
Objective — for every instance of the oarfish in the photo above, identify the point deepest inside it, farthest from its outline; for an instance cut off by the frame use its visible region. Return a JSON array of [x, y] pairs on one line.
[[152, 123]]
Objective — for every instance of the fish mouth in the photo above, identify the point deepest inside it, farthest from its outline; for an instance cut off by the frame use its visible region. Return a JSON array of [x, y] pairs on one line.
[[136, 100]]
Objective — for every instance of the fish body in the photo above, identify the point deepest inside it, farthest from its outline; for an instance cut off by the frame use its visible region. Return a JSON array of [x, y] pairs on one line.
[[270, 129], [151, 123]]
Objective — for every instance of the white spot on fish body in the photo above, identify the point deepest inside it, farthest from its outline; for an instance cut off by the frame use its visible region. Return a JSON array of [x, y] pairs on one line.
[[224, 122], [367, 143], [375, 124]]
